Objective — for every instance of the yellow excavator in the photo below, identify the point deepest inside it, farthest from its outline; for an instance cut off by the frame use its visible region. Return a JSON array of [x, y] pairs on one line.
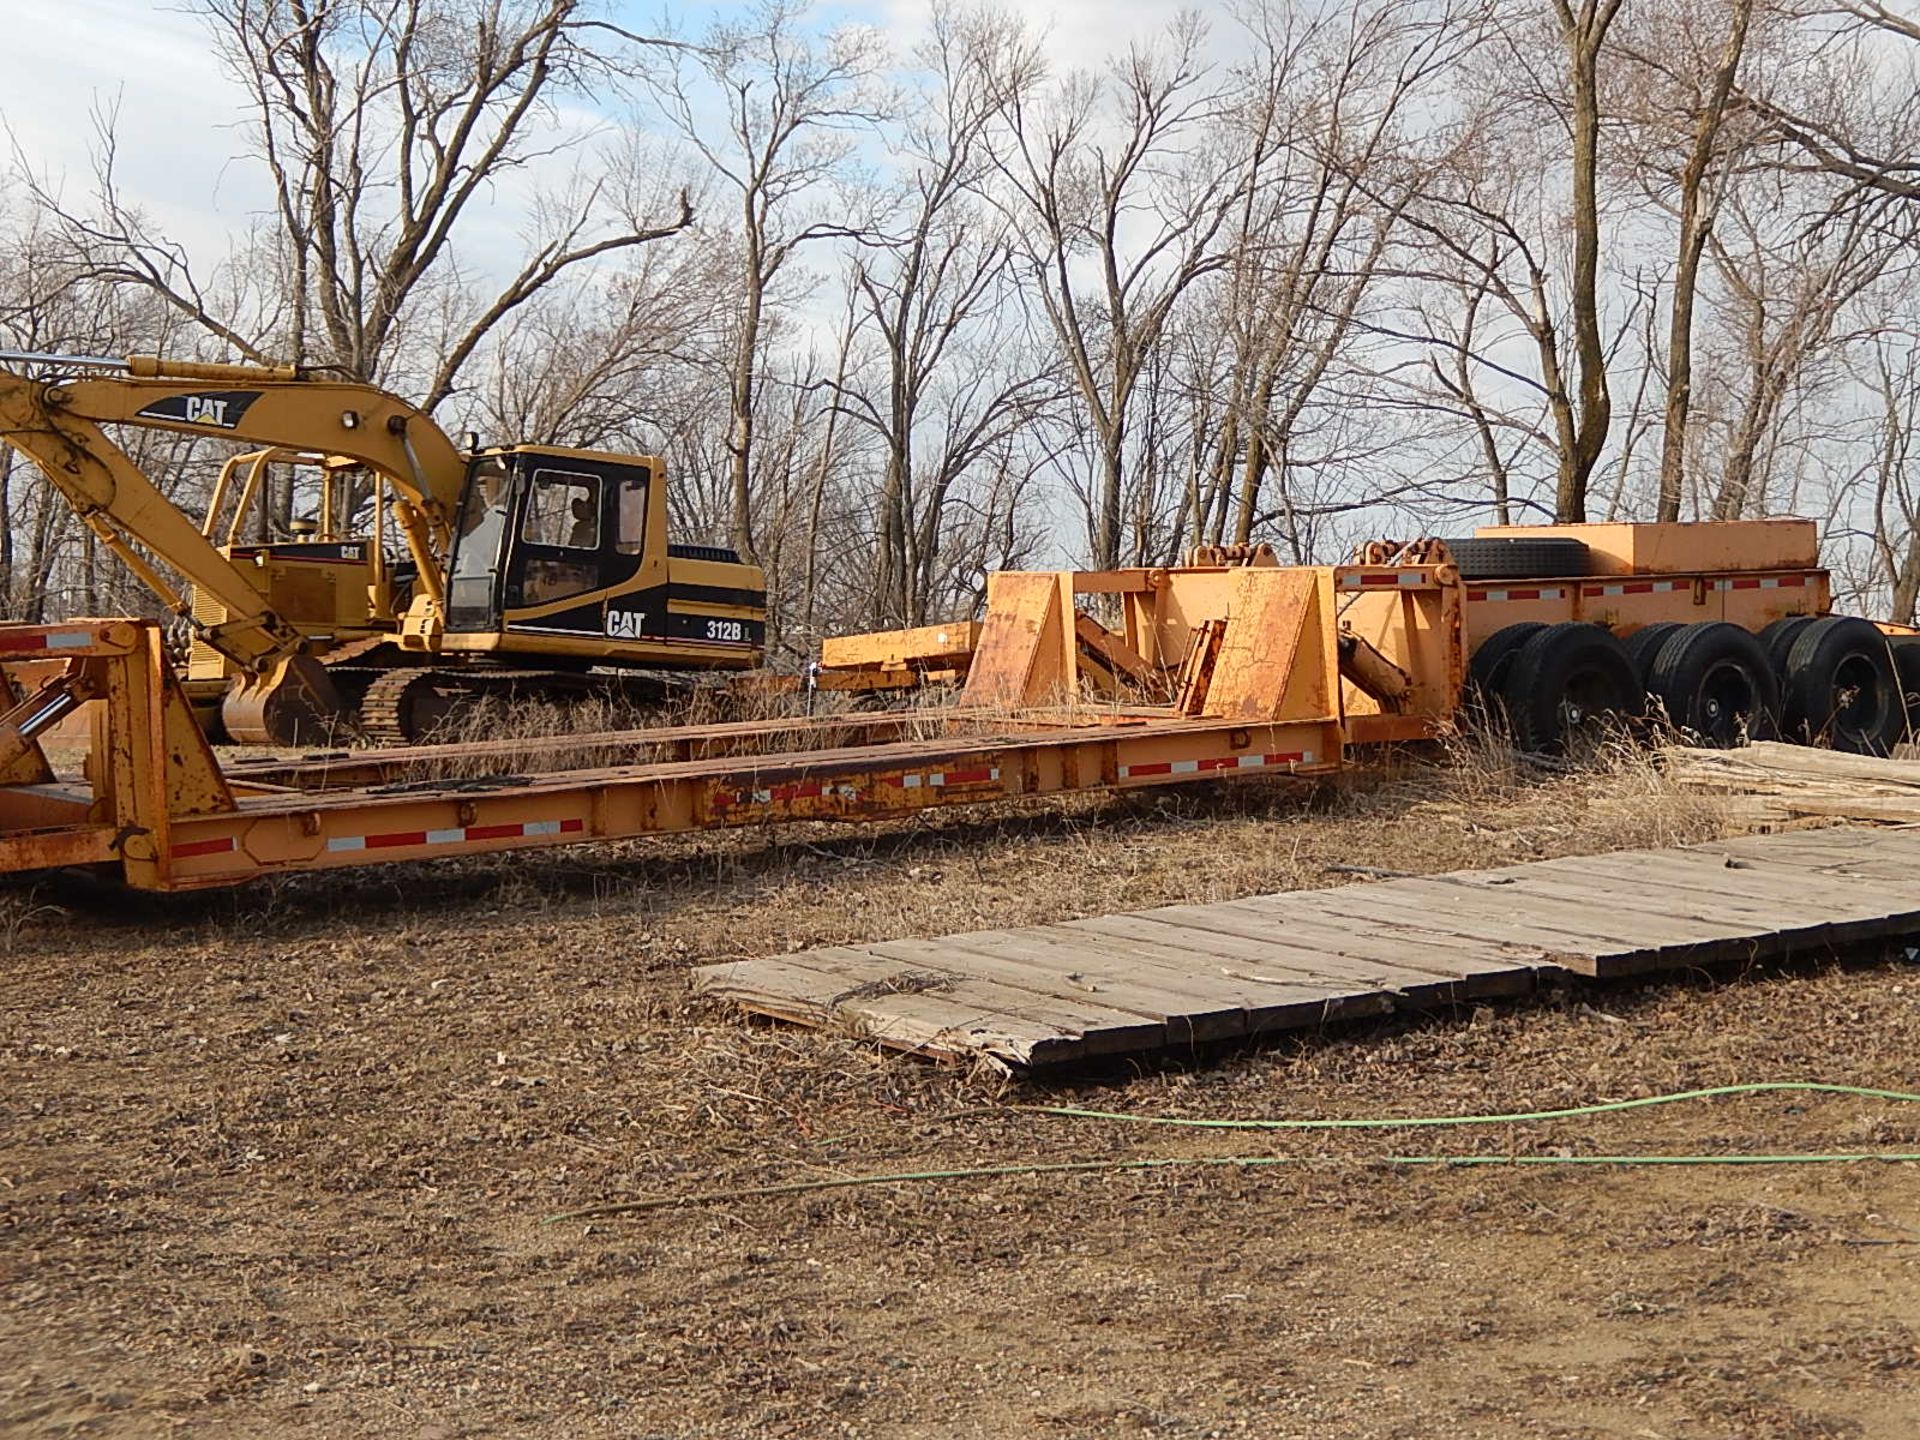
[[432, 576]]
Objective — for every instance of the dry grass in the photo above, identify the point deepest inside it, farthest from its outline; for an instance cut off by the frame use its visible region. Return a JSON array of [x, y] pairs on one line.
[[274, 1163]]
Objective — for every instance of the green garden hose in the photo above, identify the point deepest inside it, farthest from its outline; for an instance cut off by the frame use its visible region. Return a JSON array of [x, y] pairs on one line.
[[1249, 1162]]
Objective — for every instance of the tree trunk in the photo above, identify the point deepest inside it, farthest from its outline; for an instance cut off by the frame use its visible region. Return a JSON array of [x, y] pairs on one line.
[[1106, 537], [1584, 35], [740, 434], [892, 583], [7, 454], [1696, 219]]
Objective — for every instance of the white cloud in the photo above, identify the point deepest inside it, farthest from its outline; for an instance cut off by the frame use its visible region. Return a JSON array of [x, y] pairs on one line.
[[1079, 34], [179, 115]]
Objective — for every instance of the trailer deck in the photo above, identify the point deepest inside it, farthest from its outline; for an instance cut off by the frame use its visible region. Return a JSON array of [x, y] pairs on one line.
[[1075, 681], [1166, 981]]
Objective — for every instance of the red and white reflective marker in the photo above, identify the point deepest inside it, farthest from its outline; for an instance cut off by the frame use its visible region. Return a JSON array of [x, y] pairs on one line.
[[1212, 763], [463, 835], [58, 640], [935, 779], [1638, 587], [1551, 592], [186, 850]]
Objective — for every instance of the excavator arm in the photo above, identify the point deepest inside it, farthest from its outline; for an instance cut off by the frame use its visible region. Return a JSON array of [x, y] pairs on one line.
[[57, 424]]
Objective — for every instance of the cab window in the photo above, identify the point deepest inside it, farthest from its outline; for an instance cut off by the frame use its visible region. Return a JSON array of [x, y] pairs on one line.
[[630, 517], [563, 510], [483, 530]]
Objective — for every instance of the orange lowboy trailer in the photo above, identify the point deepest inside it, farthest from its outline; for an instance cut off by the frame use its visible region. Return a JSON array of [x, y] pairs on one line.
[[1210, 672]]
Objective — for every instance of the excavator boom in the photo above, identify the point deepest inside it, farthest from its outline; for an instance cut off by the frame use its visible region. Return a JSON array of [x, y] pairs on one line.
[[283, 407], [56, 422]]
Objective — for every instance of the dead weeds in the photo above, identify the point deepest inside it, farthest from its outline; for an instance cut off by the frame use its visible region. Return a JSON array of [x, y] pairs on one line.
[[276, 1162]]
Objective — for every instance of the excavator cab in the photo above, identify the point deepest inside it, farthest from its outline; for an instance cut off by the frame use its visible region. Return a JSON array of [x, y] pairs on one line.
[[561, 553]]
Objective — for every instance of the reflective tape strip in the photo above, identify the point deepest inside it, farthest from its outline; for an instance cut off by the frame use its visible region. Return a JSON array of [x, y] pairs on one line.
[[937, 778], [1550, 592], [1763, 582], [189, 848], [1214, 763], [1637, 587], [1393, 578], [463, 835], [56, 640]]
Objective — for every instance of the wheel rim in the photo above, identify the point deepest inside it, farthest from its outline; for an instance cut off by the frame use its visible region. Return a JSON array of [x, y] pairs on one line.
[[1859, 698], [1725, 704], [1590, 697]]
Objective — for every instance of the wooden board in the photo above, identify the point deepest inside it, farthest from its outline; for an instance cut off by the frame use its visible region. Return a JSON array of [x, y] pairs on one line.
[[1180, 976], [1426, 957]]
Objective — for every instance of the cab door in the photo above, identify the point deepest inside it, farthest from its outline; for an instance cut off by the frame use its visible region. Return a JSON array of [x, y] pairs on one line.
[[574, 544], [477, 571]]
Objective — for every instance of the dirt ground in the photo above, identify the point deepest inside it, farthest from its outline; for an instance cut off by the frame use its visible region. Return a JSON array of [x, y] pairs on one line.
[[279, 1162]]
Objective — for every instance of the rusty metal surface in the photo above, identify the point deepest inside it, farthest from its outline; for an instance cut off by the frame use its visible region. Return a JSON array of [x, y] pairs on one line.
[[292, 831], [1272, 659], [56, 849], [947, 646]]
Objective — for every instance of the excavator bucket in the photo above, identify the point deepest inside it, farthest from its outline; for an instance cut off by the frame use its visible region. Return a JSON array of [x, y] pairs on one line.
[[295, 703]]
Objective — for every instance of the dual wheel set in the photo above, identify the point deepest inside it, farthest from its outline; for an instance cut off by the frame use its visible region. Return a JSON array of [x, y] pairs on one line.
[[1824, 680]]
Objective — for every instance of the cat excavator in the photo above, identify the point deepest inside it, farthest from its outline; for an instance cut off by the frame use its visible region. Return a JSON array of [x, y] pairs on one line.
[[432, 577]]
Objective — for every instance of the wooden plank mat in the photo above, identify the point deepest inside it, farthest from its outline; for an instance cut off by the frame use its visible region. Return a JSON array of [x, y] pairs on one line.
[[1154, 981]]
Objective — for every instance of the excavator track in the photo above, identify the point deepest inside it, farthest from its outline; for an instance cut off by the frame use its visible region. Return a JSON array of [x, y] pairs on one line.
[[416, 704], [394, 709]]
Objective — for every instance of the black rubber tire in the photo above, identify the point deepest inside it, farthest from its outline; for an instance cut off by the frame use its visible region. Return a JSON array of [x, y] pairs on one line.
[[1519, 558], [1906, 667], [1777, 639], [1570, 679], [1716, 684], [1841, 688], [1644, 644], [1487, 667]]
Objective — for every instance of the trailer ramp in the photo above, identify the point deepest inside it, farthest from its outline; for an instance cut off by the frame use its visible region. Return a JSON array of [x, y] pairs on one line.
[[1183, 976]]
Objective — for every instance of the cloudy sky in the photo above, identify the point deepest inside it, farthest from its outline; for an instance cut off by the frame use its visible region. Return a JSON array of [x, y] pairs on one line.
[[181, 150]]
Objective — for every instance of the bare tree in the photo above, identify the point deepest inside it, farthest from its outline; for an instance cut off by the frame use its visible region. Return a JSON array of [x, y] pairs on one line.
[[382, 125], [50, 563], [1502, 263], [1583, 29], [1789, 291], [1685, 91], [595, 361], [1485, 299], [1119, 187], [1890, 373], [794, 106], [952, 379], [1336, 164], [1853, 112]]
